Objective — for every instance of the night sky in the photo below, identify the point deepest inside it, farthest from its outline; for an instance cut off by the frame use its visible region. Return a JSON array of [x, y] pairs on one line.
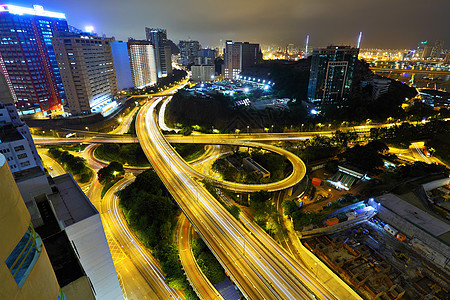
[[390, 24]]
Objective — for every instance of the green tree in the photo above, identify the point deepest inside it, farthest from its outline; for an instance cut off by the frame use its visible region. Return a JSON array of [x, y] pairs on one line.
[[110, 172]]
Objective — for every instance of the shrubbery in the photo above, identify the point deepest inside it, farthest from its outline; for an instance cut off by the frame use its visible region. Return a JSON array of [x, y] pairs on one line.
[[130, 154], [73, 164], [207, 262], [152, 213]]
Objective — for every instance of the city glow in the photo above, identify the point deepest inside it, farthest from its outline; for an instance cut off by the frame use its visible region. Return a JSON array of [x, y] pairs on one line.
[[89, 29], [37, 10]]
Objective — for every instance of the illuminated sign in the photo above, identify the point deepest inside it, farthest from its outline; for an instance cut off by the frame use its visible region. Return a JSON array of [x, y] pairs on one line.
[[37, 10]]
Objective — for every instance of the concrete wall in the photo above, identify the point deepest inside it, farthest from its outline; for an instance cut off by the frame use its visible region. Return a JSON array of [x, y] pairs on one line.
[[95, 257]]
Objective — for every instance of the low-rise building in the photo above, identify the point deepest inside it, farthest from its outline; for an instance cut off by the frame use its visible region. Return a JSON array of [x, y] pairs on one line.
[[428, 234], [256, 168]]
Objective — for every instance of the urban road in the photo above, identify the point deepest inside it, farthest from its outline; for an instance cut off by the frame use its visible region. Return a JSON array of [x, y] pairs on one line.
[[259, 266]]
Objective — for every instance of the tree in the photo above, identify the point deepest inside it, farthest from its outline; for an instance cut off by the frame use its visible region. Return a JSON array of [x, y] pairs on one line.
[[186, 130], [111, 171], [259, 197], [289, 207]]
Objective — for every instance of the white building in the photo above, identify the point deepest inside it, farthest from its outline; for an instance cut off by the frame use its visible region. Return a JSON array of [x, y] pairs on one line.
[[16, 143], [143, 63]]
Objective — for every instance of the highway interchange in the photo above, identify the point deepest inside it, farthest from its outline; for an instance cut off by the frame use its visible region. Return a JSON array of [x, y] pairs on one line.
[[259, 266], [255, 262]]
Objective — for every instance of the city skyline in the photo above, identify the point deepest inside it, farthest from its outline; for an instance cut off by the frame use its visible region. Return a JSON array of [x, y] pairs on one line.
[[280, 22]]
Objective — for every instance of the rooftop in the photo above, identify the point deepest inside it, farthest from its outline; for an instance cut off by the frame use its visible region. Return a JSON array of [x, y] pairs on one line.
[[37, 10], [416, 216], [9, 133], [71, 204]]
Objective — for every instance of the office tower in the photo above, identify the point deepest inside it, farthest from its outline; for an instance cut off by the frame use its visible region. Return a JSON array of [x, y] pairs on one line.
[[163, 54], [25, 271], [122, 65], [188, 51], [331, 74], [436, 51], [206, 57], [27, 57], [143, 63], [207, 52], [87, 71], [420, 48], [203, 73], [426, 53], [238, 56]]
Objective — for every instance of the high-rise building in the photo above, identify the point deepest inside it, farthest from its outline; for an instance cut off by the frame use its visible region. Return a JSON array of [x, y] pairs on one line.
[[143, 63], [238, 56], [426, 53], [25, 271], [87, 71], [203, 73], [122, 64], [206, 57], [27, 58], [60, 216], [16, 143], [331, 74], [163, 53], [437, 49], [421, 48], [188, 51]]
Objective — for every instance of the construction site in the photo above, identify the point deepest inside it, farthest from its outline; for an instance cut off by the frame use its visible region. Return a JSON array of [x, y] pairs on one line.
[[379, 265]]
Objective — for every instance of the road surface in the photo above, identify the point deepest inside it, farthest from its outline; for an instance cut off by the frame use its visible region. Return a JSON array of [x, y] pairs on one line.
[[258, 266]]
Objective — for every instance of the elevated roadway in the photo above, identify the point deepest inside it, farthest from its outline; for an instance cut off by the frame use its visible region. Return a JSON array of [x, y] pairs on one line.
[[260, 267], [429, 72]]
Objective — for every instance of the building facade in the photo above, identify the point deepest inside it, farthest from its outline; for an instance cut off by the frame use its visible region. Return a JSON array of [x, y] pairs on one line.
[[331, 74], [16, 143], [122, 65], [189, 51], [163, 54], [238, 56], [27, 57], [203, 73], [437, 49], [87, 71], [143, 63], [25, 271]]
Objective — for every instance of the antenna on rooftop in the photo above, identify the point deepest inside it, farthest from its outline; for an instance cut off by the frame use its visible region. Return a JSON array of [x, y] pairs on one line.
[[359, 39], [307, 43]]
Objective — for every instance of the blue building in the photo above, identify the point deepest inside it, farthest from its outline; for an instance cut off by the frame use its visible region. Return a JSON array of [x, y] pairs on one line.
[[331, 74], [27, 58], [122, 64]]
